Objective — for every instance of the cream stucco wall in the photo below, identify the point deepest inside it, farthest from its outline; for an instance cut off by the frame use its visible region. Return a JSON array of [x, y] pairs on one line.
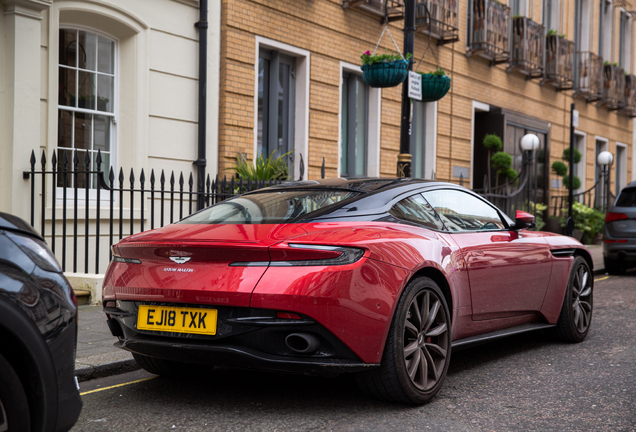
[[156, 103]]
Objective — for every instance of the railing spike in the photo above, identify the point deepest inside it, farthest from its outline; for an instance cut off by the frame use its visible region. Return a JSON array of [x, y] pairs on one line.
[[132, 177], [163, 177], [75, 158], [33, 159], [322, 168], [111, 176], [121, 176], [43, 159], [142, 178], [191, 181], [181, 181], [172, 179], [65, 159], [152, 177], [54, 160], [99, 159], [87, 161]]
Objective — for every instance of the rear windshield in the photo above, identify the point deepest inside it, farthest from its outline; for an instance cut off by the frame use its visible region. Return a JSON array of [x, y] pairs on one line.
[[269, 207], [627, 198]]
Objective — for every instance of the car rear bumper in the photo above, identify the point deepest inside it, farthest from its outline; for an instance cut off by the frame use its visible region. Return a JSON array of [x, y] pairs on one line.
[[619, 248], [245, 337]]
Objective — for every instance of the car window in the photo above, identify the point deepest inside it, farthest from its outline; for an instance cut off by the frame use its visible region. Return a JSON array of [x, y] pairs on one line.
[[461, 211], [269, 207], [416, 209], [627, 198]]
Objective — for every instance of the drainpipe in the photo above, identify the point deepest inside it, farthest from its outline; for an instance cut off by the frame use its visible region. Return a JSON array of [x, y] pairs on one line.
[[202, 25]]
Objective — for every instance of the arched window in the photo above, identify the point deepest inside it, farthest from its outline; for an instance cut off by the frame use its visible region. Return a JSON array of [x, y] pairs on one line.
[[86, 101]]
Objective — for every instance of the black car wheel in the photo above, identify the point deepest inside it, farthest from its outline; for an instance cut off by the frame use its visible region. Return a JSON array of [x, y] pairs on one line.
[[164, 367], [417, 351], [614, 266], [576, 312], [14, 407]]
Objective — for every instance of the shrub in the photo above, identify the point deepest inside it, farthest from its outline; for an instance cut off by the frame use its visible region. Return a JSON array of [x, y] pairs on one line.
[[559, 168], [577, 155], [587, 220], [264, 169], [492, 142], [576, 181], [501, 161]]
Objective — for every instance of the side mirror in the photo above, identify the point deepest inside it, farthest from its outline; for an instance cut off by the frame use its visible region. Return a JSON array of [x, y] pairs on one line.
[[523, 220]]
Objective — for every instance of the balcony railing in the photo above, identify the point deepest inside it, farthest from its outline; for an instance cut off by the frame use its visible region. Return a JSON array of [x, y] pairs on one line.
[[589, 76], [526, 53], [629, 97], [488, 30], [444, 25], [395, 8], [613, 87], [559, 62]]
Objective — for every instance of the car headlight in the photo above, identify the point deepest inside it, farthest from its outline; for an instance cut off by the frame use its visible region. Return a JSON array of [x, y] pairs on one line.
[[37, 250]]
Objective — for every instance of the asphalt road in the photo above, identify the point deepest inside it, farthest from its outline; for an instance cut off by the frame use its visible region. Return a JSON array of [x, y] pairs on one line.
[[525, 383]]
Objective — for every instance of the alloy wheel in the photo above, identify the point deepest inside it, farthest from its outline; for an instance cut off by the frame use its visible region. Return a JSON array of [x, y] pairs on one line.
[[581, 298], [426, 342]]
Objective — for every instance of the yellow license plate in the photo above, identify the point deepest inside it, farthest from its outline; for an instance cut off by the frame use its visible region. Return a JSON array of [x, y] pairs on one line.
[[177, 319]]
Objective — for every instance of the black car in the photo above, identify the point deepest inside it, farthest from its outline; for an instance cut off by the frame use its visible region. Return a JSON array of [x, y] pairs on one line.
[[619, 244], [38, 334]]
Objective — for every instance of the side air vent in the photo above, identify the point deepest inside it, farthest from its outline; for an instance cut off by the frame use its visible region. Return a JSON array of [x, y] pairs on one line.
[[561, 253]]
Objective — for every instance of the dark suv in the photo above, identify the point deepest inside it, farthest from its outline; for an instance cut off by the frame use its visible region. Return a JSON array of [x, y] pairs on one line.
[[619, 245], [38, 334]]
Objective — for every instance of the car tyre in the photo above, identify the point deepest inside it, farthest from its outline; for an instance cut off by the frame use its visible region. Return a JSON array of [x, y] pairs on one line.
[[576, 312], [165, 367], [417, 350], [614, 267], [14, 407]]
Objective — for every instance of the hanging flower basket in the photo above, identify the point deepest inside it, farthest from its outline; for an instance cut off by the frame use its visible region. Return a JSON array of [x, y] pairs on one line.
[[389, 74], [434, 87]]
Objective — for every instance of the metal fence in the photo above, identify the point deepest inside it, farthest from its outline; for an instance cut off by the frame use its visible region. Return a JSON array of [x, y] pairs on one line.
[[132, 204]]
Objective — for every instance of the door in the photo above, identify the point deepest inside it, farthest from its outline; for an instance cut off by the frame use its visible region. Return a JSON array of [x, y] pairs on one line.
[[508, 270]]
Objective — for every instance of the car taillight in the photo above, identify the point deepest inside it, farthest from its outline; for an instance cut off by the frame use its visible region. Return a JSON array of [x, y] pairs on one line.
[[615, 241], [610, 217], [313, 255]]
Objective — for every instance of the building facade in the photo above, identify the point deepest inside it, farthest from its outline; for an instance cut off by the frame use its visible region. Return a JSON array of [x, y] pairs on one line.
[[515, 69]]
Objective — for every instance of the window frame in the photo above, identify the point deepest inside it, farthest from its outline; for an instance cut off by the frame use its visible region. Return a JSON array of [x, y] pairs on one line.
[[507, 222], [113, 153]]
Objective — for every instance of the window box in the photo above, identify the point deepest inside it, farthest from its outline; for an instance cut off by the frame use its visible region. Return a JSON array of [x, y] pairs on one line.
[[526, 54]]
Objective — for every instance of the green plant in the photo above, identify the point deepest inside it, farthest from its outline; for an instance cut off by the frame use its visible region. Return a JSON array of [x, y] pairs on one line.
[[587, 220], [606, 63], [437, 72], [264, 169], [566, 156], [502, 163], [388, 57], [552, 32], [493, 143], [575, 180], [559, 168]]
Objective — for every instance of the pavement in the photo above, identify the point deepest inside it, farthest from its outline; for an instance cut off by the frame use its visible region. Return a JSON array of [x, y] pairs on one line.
[[96, 356]]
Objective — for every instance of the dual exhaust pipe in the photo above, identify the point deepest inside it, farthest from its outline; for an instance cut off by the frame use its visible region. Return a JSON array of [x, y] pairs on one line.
[[302, 343]]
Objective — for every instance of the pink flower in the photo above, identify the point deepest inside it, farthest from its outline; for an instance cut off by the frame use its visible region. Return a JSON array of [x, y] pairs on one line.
[[367, 52]]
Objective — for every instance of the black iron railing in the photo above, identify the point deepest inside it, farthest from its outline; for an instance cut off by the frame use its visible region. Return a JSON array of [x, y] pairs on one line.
[[488, 28], [613, 87], [132, 205], [526, 53], [443, 21], [559, 62], [589, 76]]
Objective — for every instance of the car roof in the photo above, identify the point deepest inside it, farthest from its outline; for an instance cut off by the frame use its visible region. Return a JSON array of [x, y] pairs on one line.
[[365, 185]]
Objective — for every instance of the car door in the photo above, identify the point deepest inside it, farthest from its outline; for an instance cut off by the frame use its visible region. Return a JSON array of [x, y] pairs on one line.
[[508, 270]]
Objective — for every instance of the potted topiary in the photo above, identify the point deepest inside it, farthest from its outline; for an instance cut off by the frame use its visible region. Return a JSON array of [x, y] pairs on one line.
[[384, 70], [435, 85]]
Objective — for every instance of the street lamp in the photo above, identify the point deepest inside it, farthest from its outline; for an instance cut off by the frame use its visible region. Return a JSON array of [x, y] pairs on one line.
[[605, 160], [529, 143]]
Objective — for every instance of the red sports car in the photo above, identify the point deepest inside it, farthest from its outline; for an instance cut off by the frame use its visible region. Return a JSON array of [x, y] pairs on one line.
[[382, 278]]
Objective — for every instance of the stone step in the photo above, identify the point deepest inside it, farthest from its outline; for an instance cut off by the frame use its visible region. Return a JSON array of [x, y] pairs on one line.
[[83, 296]]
